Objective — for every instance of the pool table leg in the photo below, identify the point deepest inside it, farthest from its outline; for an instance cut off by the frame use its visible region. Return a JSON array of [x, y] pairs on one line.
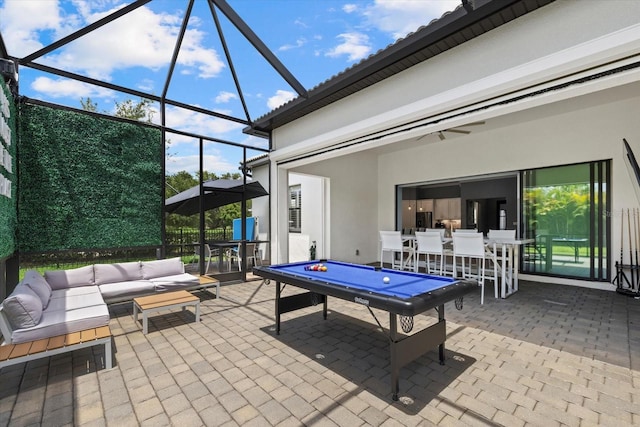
[[324, 307], [278, 291], [395, 368], [410, 347], [441, 346], [295, 302]]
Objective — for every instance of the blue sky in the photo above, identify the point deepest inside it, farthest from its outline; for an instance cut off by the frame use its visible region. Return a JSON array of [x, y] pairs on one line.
[[314, 39]]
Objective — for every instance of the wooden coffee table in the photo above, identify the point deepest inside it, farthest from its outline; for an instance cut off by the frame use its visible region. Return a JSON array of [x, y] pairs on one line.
[[163, 301]]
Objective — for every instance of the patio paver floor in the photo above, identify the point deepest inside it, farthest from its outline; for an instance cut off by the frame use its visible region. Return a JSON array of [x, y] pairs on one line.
[[548, 355]]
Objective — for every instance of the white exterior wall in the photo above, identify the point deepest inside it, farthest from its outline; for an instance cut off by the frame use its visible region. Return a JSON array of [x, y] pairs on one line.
[[260, 209], [579, 123], [260, 205], [312, 190]]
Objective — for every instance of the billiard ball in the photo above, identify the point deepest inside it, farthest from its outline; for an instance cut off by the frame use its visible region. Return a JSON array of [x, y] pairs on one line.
[[386, 279]]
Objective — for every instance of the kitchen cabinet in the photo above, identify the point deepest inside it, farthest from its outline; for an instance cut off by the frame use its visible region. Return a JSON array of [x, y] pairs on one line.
[[408, 214], [447, 208], [455, 210], [424, 205], [441, 209]]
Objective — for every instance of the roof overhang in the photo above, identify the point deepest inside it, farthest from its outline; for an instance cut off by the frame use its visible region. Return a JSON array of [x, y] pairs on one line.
[[472, 19]]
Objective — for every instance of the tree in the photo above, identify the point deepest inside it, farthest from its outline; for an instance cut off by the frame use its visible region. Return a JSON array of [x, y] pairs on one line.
[[179, 182], [89, 105], [139, 111], [220, 217], [561, 210]]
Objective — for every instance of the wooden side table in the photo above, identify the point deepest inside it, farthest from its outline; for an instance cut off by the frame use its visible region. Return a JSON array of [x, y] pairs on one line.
[[163, 301], [206, 281]]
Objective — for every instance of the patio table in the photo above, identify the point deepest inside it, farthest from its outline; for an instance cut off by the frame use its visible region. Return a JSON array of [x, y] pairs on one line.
[[163, 301]]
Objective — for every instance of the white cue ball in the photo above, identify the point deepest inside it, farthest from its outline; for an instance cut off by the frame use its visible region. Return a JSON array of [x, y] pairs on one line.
[[386, 279]]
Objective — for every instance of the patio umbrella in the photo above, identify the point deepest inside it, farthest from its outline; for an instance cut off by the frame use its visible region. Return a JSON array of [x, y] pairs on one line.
[[218, 192]]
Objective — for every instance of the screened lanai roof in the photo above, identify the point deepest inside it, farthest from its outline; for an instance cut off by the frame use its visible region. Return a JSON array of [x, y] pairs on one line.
[[110, 31]]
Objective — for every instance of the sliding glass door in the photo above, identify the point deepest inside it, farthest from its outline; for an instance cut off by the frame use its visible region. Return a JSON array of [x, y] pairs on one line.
[[565, 211]]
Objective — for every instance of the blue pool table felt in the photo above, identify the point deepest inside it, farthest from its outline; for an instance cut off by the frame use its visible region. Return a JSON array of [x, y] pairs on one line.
[[402, 284]]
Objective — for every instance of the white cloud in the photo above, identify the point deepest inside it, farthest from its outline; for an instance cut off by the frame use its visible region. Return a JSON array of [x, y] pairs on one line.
[[199, 124], [299, 43], [61, 88], [224, 97], [300, 23], [254, 141], [350, 8], [146, 85], [141, 38], [400, 17], [215, 162], [355, 45], [21, 21], [281, 97]]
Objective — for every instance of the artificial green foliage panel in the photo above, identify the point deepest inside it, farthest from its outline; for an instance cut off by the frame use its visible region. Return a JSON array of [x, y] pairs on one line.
[[87, 182], [8, 204]]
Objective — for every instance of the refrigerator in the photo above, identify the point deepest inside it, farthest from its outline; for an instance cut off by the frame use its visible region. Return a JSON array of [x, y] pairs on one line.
[[424, 219]]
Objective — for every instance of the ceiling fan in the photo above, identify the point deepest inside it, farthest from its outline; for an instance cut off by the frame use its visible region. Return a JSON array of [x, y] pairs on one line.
[[459, 129]]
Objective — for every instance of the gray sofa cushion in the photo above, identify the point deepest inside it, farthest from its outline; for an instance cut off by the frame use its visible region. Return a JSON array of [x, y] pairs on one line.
[[39, 285], [23, 307], [80, 290], [60, 322], [61, 279], [121, 290], [75, 298], [162, 267], [175, 282], [119, 272]]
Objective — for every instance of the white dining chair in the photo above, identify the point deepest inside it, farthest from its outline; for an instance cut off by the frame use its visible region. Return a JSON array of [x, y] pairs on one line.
[[429, 243], [207, 254], [469, 247], [252, 258], [501, 259], [391, 241], [439, 230]]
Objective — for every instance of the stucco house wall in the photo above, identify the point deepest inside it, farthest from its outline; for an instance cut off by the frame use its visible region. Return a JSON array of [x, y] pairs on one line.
[[312, 220]]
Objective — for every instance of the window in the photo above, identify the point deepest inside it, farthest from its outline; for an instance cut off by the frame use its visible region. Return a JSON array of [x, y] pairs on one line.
[[295, 204], [565, 211]]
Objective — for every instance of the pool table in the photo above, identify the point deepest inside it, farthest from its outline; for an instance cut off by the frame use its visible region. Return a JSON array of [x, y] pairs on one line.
[[406, 294]]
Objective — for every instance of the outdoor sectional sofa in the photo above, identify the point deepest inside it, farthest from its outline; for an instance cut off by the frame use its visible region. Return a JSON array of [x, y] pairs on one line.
[[72, 305]]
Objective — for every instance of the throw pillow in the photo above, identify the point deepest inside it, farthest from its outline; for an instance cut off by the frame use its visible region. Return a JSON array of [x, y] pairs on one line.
[[36, 282], [23, 307]]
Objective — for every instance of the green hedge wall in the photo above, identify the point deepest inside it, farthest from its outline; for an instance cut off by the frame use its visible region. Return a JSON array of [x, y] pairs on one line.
[[87, 182], [8, 205]]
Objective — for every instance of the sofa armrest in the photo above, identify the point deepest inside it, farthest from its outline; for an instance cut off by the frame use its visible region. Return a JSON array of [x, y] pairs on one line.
[[5, 327]]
